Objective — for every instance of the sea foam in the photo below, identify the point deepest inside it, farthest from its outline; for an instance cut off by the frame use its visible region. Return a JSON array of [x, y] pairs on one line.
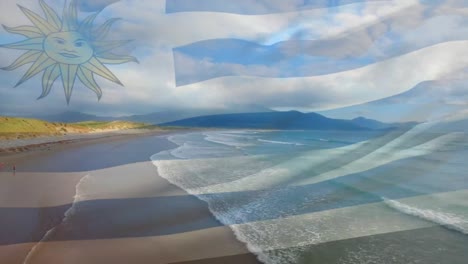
[[49, 234], [279, 231], [449, 220], [281, 142]]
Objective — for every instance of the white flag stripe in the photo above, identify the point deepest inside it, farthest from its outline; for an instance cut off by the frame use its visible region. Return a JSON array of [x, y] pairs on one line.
[[292, 171], [151, 249], [181, 29], [39, 190], [358, 221], [373, 82], [303, 230]]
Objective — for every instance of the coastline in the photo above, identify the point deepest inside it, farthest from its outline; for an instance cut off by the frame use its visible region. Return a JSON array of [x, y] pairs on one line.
[[9, 147], [172, 236]]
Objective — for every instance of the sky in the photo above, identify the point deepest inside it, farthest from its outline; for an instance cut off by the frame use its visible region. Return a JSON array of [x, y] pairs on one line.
[[290, 57]]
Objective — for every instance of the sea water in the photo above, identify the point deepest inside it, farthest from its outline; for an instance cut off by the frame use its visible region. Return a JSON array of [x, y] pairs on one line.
[[397, 196]]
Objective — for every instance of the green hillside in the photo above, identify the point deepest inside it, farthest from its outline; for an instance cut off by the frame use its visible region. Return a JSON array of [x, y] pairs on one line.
[[12, 127]]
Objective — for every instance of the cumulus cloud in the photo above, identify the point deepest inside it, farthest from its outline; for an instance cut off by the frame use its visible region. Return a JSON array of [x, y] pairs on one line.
[[151, 84]]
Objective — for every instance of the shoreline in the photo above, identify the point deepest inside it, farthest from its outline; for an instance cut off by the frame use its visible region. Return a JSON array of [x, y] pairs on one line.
[[13, 146], [35, 189]]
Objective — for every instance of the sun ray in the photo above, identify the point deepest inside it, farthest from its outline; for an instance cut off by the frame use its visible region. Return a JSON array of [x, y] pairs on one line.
[[68, 72], [42, 24], [87, 78], [29, 44], [27, 31], [73, 13], [103, 30], [87, 22], [97, 67], [51, 15], [64, 46], [28, 57], [69, 20], [50, 76], [42, 63], [109, 58]]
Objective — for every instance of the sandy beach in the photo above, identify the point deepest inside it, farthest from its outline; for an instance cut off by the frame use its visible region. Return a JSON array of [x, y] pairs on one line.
[[102, 201]]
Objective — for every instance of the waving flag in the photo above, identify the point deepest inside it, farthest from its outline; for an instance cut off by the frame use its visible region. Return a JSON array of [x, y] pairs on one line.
[[253, 7], [93, 6], [374, 195], [301, 46]]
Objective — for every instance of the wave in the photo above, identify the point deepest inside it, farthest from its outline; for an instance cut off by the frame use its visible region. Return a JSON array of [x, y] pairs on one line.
[[280, 142], [275, 224], [237, 140], [224, 218], [447, 220], [77, 198]]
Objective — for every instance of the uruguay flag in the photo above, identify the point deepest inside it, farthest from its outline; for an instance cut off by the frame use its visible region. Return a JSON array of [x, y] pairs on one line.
[[355, 50]]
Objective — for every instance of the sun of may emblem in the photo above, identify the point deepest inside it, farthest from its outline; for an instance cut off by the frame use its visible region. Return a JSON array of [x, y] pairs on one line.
[[67, 48]]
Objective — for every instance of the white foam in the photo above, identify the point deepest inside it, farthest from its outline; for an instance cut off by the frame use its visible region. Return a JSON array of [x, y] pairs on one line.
[[206, 172], [384, 155], [193, 146], [280, 142], [77, 197], [237, 140], [344, 223], [286, 171], [279, 174], [262, 237], [449, 220]]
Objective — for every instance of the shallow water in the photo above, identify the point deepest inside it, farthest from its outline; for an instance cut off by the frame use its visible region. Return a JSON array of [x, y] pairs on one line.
[[331, 197]]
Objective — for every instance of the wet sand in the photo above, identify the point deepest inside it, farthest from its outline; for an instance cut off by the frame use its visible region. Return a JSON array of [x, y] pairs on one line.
[[118, 210]]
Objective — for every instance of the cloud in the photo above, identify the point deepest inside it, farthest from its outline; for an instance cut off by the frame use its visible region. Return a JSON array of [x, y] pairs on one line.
[[151, 84], [94, 5], [365, 84]]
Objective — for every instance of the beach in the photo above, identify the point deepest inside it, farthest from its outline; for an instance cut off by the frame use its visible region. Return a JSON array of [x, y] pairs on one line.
[[102, 201], [239, 196]]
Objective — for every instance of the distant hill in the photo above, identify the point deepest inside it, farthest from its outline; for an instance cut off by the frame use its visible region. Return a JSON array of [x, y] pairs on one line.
[[151, 118], [457, 122], [236, 118], [428, 100], [72, 117], [374, 124], [269, 120]]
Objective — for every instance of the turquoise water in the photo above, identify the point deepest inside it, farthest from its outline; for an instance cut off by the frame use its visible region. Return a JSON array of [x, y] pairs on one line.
[[331, 197]]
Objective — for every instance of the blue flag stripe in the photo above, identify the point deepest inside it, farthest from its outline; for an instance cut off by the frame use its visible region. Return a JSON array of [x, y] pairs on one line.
[[253, 7], [298, 57]]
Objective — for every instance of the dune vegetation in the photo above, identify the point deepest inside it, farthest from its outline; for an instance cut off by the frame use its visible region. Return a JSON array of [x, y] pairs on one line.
[[13, 127]]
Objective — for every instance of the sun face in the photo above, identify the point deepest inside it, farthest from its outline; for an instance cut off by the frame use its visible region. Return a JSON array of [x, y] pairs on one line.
[[66, 48]]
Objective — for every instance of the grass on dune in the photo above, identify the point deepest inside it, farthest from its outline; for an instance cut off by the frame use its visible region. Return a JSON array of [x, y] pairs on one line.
[[13, 127], [25, 125]]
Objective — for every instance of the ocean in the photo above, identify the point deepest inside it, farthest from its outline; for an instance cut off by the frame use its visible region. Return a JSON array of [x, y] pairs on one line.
[[397, 196]]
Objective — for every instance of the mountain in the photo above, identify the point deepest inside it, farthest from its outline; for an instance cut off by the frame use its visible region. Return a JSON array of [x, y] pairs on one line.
[[258, 118], [151, 118], [426, 101], [72, 117], [456, 122], [268, 120], [370, 123], [374, 124], [165, 116]]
